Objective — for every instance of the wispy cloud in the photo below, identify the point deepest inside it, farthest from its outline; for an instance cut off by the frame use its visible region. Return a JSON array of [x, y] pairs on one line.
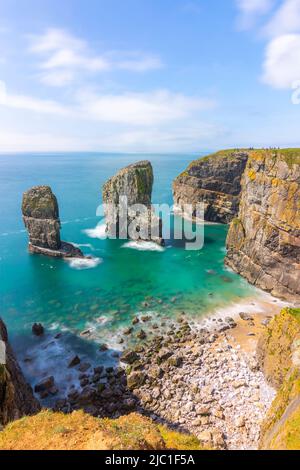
[[29, 103], [250, 10], [64, 57], [135, 109], [285, 20], [141, 109]]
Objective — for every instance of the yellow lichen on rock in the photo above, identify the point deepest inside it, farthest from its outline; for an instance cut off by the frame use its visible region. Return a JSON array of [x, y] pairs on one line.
[[279, 352]]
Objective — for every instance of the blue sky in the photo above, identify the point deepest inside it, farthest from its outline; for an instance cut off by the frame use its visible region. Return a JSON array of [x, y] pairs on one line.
[[148, 75]]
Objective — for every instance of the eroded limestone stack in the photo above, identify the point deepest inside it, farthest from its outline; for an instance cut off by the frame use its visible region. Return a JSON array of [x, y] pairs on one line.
[[264, 239], [135, 183], [41, 219], [214, 180], [16, 396]]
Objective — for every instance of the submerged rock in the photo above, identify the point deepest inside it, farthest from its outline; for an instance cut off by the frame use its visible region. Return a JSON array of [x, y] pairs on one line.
[[214, 180], [16, 396], [41, 218], [135, 183], [38, 329]]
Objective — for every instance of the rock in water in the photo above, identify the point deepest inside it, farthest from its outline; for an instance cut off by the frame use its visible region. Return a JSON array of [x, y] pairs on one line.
[[214, 180], [16, 396], [135, 183], [264, 239], [41, 219]]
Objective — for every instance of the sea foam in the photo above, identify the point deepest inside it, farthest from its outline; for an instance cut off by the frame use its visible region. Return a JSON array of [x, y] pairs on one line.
[[97, 232], [143, 246], [84, 263]]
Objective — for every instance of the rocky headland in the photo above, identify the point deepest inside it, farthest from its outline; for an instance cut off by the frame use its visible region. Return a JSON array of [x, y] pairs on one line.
[[16, 396], [135, 183], [41, 218], [216, 182], [264, 238]]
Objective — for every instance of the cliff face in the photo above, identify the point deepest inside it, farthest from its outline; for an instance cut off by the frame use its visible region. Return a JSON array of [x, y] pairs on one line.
[[215, 181], [16, 396], [279, 357], [135, 183], [41, 219], [264, 239]]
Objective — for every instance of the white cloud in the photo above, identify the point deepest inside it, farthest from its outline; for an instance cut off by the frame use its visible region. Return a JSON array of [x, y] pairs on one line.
[[29, 103], [64, 57], [281, 67], [134, 109], [250, 10], [285, 20], [141, 109]]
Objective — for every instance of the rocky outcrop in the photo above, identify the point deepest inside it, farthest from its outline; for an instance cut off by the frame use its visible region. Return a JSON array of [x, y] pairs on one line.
[[215, 181], [264, 239], [16, 396], [134, 183], [41, 219], [279, 357]]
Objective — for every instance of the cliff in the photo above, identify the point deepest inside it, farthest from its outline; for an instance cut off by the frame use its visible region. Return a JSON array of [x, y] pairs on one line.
[[279, 357], [41, 218], [215, 181], [264, 239], [134, 183], [16, 396], [79, 431]]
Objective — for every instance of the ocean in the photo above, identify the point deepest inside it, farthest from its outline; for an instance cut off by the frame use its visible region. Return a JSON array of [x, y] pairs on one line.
[[122, 280]]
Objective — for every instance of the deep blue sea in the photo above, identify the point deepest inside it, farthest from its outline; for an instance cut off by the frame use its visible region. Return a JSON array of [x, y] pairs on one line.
[[120, 283]]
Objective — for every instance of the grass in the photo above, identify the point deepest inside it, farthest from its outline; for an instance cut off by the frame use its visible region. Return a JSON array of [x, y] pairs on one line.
[[79, 431]]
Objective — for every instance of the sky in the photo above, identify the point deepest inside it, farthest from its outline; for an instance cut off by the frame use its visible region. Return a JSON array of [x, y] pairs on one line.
[[149, 75]]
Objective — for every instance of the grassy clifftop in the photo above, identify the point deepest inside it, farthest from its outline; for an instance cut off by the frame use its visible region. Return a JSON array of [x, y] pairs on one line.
[[79, 431]]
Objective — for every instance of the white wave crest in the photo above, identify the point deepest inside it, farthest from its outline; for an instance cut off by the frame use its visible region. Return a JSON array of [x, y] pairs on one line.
[[97, 232], [84, 263], [143, 246]]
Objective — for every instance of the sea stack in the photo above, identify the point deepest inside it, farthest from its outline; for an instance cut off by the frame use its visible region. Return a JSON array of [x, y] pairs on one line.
[[214, 181], [264, 238], [41, 218], [16, 396], [134, 183]]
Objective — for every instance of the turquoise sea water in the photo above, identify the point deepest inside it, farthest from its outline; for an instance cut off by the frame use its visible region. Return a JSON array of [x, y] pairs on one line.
[[104, 298]]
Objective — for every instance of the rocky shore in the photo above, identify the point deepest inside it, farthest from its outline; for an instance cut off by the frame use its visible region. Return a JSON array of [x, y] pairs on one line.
[[202, 378]]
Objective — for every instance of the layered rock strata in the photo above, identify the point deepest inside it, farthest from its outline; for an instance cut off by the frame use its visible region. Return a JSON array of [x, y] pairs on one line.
[[214, 181], [264, 239], [279, 357], [41, 218], [16, 396], [128, 209]]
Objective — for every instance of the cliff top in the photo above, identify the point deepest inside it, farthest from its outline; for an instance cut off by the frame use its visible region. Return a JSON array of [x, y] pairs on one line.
[[39, 202], [290, 155], [79, 431]]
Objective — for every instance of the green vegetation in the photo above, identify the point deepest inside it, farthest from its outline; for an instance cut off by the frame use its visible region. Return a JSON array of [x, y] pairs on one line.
[[80, 431]]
